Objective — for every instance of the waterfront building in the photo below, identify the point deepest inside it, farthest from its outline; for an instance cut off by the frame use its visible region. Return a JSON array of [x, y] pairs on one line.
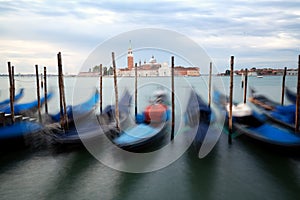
[[153, 69]]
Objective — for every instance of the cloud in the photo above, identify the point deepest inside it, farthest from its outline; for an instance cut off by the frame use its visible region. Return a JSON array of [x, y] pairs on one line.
[[257, 31]]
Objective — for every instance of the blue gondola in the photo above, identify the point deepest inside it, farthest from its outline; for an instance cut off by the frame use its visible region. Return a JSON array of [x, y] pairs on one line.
[[13, 136], [18, 96], [283, 115], [88, 128], [198, 114], [138, 137], [148, 134], [19, 129], [291, 96], [255, 127], [80, 110], [143, 137], [25, 108]]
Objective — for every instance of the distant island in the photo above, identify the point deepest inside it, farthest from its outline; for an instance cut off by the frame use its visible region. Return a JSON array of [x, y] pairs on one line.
[[262, 72], [146, 69]]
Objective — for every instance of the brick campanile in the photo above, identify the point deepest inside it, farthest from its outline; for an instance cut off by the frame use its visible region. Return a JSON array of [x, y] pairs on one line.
[[130, 57]]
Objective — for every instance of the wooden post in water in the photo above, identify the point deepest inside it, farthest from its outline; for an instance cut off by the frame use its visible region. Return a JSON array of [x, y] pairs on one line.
[[42, 83], [101, 89], [45, 90], [63, 108], [298, 99], [283, 86], [246, 84], [172, 99], [116, 93], [242, 81], [209, 84], [38, 91], [230, 100], [12, 110], [13, 82], [135, 90]]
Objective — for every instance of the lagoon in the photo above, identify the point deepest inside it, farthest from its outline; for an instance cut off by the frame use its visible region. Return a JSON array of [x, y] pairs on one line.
[[243, 170]]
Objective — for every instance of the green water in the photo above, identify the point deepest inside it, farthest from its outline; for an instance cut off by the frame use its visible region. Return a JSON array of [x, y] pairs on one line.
[[239, 171], [243, 170]]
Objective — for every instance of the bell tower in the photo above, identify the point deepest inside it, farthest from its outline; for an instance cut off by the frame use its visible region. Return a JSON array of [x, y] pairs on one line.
[[130, 57]]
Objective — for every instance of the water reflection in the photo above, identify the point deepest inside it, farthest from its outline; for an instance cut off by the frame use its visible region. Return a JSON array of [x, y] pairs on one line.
[[69, 175]]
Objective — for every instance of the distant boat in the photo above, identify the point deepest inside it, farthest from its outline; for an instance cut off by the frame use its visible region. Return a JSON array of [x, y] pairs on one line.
[[249, 123], [259, 76]]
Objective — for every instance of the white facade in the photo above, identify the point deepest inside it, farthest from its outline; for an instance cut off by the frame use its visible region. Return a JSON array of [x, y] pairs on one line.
[[292, 73], [164, 70], [147, 73], [252, 74], [152, 68]]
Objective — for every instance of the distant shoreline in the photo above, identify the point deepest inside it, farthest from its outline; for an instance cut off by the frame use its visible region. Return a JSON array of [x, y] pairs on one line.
[[111, 76]]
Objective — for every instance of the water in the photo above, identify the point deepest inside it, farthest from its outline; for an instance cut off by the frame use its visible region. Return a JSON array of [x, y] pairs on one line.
[[244, 170]]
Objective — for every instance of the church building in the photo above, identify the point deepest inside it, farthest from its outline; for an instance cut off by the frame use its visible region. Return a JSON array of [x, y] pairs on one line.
[[152, 68]]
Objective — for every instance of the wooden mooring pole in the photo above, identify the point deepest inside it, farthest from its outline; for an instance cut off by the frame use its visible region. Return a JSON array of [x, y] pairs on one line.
[[242, 80], [116, 93], [101, 88], [298, 99], [135, 90], [42, 83], [63, 108], [38, 92], [283, 86], [172, 99], [12, 110], [246, 84], [209, 84], [230, 101], [45, 90], [13, 82]]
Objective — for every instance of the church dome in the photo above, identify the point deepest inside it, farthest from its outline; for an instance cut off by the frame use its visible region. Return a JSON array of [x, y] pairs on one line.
[[152, 60]]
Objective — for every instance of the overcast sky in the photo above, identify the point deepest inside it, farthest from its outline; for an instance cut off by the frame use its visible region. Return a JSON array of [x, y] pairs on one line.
[[258, 33]]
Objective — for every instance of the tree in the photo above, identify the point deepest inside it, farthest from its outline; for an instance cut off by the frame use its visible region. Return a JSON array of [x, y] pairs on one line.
[[227, 72], [96, 68], [105, 71], [110, 71]]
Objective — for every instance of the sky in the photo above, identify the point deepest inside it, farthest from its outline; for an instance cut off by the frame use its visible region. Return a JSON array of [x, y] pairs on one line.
[[258, 33]]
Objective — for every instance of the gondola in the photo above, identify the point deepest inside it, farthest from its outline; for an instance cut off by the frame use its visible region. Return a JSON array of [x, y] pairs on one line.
[[18, 96], [249, 123], [14, 135], [135, 137], [198, 115], [79, 111], [86, 128], [25, 108], [283, 115], [147, 134], [143, 137], [291, 96]]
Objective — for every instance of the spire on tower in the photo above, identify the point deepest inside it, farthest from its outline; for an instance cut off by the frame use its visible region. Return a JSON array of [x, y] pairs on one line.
[[130, 57], [130, 45]]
